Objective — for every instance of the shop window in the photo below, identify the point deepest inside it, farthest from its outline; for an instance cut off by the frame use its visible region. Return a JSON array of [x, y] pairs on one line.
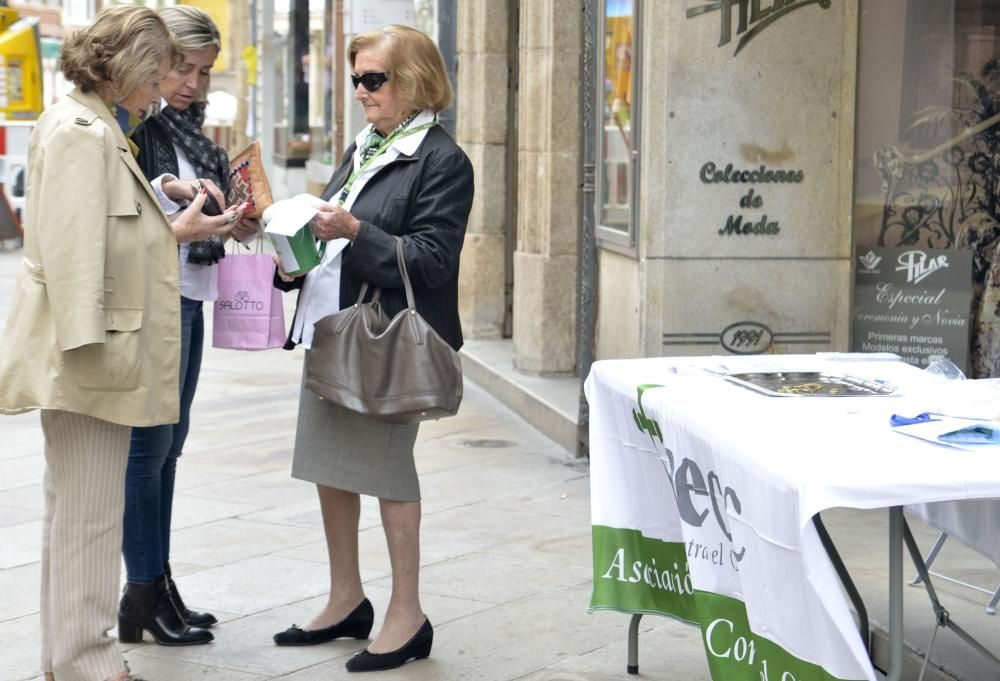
[[301, 73], [928, 134], [927, 171], [618, 124], [319, 67]]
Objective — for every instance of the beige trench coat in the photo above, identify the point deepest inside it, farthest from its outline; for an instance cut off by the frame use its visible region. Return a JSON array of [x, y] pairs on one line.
[[94, 325]]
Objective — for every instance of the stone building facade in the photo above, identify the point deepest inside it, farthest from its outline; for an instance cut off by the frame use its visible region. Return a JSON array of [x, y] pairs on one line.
[[716, 152], [681, 177], [691, 265]]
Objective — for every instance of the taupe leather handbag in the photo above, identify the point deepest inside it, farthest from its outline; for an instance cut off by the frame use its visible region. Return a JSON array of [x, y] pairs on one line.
[[397, 370]]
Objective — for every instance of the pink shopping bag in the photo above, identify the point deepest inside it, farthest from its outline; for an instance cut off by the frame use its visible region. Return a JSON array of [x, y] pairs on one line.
[[248, 313]]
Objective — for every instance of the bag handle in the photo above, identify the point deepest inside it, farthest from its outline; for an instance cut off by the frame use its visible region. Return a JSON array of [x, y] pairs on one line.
[[364, 290], [258, 247], [410, 304], [401, 264]]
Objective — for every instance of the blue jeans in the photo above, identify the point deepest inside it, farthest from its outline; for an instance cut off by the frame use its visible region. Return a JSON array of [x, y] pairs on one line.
[[152, 462]]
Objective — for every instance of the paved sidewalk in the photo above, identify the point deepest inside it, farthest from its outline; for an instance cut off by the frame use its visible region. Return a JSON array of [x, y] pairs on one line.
[[506, 555]]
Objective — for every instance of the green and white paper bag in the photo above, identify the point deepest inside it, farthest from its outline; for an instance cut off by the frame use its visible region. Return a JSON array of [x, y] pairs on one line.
[[286, 224]]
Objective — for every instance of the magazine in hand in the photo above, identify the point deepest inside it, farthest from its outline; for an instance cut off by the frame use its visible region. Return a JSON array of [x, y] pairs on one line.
[[248, 183]]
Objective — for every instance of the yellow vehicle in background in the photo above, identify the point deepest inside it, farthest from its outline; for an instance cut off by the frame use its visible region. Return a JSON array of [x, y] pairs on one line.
[[20, 66], [20, 104]]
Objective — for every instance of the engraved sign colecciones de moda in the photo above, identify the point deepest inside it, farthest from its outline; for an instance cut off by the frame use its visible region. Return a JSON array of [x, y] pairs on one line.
[[742, 225]]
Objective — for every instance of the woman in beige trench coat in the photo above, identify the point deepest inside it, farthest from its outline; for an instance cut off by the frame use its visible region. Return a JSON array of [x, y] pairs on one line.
[[92, 336]]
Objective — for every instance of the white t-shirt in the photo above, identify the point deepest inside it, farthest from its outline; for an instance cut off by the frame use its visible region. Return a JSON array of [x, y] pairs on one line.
[[198, 282]]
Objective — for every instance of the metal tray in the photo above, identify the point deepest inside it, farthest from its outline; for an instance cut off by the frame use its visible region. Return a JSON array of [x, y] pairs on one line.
[[809, 384]]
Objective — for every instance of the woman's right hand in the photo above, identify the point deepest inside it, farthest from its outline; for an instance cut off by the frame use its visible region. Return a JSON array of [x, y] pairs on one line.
[[287, 278], [181, 191], [193, 225]]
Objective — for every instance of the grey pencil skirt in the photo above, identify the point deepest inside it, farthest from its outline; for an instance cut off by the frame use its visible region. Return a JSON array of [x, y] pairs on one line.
[[348, 451]]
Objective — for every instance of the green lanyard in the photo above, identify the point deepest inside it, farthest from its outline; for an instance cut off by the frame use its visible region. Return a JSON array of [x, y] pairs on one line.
[[382, 148]]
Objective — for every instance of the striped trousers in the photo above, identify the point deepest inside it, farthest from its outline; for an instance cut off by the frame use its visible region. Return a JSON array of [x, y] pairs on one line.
[[81, 545]]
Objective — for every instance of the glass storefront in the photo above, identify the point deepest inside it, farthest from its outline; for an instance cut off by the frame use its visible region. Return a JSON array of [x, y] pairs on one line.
[[927, 172], [300, 40], [618, 123], [315, 116]]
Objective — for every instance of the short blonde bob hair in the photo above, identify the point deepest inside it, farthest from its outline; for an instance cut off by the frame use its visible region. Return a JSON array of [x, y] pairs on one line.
[[413, 62], [192, 28], [123, 47]]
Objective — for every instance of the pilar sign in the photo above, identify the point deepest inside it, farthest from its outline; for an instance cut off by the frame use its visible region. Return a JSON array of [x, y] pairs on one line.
[[753, 16]]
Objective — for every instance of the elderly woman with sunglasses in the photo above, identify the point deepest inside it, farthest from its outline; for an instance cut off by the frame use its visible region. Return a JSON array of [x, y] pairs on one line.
[[404, 177]]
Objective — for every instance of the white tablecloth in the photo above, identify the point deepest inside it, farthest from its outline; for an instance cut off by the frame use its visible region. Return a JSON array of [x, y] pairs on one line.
[[703, 493], [975, 523]]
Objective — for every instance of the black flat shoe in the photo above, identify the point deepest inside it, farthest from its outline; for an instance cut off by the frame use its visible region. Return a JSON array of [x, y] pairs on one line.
[[417, 648], [192, 618], [356, 625]]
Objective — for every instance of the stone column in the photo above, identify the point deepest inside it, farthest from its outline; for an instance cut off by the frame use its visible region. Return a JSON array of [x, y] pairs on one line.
[[545, 262], [239, 17], [482, 126]]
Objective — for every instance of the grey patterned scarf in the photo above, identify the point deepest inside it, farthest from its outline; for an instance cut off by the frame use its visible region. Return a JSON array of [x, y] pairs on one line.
[[184, 129]]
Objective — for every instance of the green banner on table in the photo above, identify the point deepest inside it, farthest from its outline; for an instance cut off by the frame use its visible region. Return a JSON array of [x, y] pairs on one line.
[[638, 574], [735, 653]]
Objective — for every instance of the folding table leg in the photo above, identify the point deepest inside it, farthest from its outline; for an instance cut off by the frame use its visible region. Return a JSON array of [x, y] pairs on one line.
[[991, 606], [846, 581], [633, 644], [931, 555], [942, 615], [896, 522]]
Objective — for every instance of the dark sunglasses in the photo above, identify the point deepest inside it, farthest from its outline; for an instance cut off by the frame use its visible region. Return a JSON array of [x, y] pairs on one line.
[[371, 81]]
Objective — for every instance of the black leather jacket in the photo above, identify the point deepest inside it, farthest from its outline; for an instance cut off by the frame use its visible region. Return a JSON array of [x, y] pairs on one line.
[[426, 199]]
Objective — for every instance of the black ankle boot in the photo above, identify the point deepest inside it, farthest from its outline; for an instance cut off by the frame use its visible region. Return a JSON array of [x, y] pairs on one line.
[[202, 620], [148, 607]]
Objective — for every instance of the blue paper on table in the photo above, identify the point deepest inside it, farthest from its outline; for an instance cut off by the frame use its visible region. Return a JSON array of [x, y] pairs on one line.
[[978, 434], [900, 420]]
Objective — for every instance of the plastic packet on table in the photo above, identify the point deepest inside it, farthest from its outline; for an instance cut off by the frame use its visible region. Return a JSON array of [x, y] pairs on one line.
[[939, 365], [971, 399], [859, 357]]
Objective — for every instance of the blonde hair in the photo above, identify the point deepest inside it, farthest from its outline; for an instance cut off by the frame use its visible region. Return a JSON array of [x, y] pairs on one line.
[[124, 46], [192, 28], [413, 62]]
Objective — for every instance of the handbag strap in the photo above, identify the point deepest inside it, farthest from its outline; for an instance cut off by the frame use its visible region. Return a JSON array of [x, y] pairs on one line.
[[401, 263], [258, 248], [410, 303], [364, 290]]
